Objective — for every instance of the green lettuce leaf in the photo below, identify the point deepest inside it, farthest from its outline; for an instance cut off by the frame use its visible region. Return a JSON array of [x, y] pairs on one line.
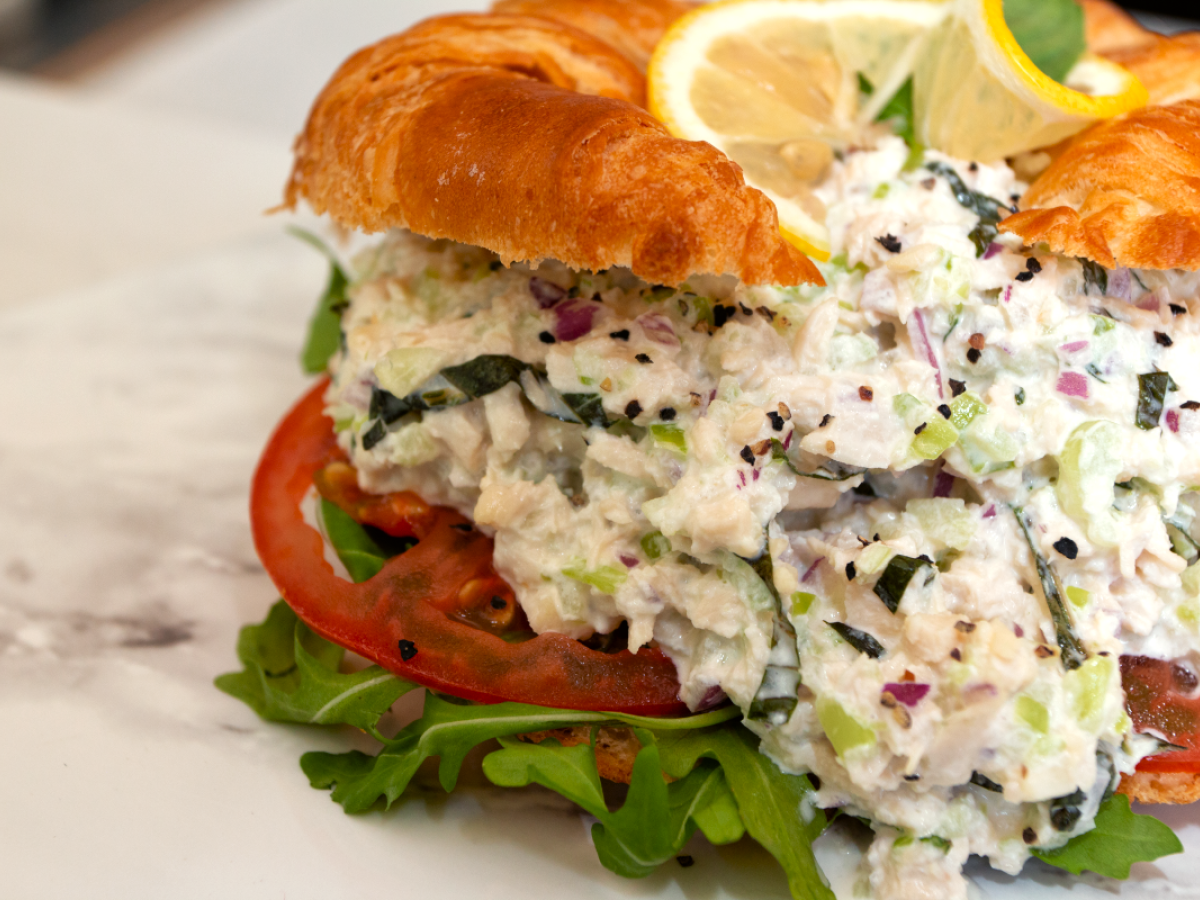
[[325, 326], [362, 557], [657, 818], [449, 730], [1120, 839], [291, 675], [771, 802], [1049, 31]]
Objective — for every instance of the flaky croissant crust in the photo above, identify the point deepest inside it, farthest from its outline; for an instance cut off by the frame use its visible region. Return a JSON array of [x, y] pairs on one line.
[[525, 135], [1123, 193]]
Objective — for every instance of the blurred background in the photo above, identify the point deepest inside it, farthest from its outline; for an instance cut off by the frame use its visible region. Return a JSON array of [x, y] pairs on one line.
[[70, 39]]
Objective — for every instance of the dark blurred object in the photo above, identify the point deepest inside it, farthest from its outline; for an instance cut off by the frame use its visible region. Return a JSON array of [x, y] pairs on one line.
[[35, 33]]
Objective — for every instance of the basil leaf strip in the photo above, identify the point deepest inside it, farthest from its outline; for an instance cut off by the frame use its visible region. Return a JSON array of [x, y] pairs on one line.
[[985, 207], [1152, 391], [894, 581], [859, 640]]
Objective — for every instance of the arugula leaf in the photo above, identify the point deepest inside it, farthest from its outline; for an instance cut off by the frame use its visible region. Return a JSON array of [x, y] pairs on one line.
[[657, 818], [361, 556], [325, 326], [771, 803], [291, 675], [1120, 839], [449, 730], [1049, 31]]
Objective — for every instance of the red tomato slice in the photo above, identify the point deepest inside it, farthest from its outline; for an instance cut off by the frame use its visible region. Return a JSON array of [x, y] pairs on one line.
[[398, 618], [1160, 698]]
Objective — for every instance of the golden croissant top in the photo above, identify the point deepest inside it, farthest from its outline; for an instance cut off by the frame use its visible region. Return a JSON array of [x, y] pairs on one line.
[[524, 131]]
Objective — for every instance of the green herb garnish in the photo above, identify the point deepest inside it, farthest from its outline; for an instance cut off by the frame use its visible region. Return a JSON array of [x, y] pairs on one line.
[[859, 640]]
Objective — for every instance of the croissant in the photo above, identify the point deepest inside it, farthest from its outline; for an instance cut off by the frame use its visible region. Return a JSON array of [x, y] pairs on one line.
[[1107, 27], [632, 26], [1169, 67], [523, 135], [1124, 193]]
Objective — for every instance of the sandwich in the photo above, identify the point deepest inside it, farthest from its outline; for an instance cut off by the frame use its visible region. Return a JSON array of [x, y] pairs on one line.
[[639, 490]]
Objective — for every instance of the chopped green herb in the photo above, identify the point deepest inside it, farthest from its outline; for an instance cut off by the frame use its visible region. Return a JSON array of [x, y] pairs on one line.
[[1094, 276], [670, 436], [985, 207], [864, 85], [1152, 390], [1019, 396], [859, 640], [655, 545], [894, 581], [1073, 653]]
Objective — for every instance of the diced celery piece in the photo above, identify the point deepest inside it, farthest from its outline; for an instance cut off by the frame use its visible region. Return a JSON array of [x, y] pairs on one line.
[[937, 437], [1087, 468], [1101, 325], [964, 409], [655, 545], [738, 573], [670, 436], [412, 446], [881, 191], [843, 730], [945, 520], [729, 389], [873, 559], [1188, 612], [1078, 596], [1087, 688], [1191, 579], [850, 349], [802, 602], [904, 404], [605, 579], [987, 447], [403, 370], [1033, 714]]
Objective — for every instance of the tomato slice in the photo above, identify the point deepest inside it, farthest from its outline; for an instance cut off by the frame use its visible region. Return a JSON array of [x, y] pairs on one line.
[[399, 619], [1160, 696]]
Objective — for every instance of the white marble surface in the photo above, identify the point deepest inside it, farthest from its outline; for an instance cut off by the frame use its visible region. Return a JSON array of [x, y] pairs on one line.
[[132, 416], [93, 188]]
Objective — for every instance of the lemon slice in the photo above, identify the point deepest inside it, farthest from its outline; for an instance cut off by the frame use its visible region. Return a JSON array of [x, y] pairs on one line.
[[775, 85], [977, 95]]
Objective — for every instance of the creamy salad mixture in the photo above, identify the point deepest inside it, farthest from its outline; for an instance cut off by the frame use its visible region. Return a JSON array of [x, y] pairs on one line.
[[907, 522]]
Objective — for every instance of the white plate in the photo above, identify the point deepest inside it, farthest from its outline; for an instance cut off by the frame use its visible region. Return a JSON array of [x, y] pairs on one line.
[[132, 416]]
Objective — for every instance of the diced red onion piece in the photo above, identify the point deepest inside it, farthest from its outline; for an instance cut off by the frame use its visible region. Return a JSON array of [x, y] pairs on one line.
[[757, 472], [1072, 384], [546, 293], [1173, 420], [573, 319], [910, 693], [990, 512], [1120, 284], [742, 476], [1008, 293], [943, 483], [808, 573], [714, 696], [1018, 630], [658, 329], [630, 561], [1074, 347], [922, 334], [992, 249], [787, 441]]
